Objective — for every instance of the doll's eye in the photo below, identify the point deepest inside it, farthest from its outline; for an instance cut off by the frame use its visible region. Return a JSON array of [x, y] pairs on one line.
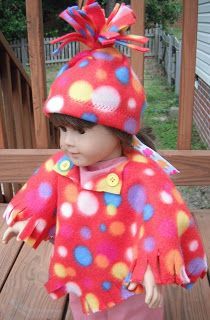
[[81, 131]]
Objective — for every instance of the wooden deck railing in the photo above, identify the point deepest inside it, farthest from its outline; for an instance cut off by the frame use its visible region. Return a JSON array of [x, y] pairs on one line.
[[16, 109]]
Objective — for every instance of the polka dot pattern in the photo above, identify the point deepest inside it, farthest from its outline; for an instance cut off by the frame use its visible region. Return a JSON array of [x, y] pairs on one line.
[[55, 104], [106, 99], [80, 91]]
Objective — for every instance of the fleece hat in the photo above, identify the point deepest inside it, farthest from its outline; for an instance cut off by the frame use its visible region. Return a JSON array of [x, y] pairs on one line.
[[99, 84]]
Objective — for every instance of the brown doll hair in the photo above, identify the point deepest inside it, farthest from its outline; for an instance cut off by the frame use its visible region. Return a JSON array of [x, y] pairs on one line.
[[145, 135]]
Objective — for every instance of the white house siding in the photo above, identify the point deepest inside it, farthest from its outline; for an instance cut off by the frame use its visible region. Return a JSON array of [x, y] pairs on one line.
[[203, 41]]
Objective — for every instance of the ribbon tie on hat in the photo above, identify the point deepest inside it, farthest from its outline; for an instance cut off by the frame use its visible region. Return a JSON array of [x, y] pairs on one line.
[[96, 31]]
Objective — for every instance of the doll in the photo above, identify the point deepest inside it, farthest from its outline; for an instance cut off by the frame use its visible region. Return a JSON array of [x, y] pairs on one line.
[[119, 224]]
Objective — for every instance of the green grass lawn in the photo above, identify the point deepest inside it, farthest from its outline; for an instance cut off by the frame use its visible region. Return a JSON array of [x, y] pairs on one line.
[[160, 98]]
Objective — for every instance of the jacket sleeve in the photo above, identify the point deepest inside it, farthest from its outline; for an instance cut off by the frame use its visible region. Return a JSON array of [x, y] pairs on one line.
[[36, 202], [168, 238]]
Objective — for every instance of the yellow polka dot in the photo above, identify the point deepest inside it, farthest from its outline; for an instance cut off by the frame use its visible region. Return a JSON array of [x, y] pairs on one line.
[[30, 241], [141, 232], [71, 193], [177, 195], [119, 270], [71, 272], [101, 74], [140, 158], [111, 210], [102, 261], [117, 228], [183, 222], [81, 90], [173, 262], [162, 163], [60, 270], [49, 165], [92, 303]]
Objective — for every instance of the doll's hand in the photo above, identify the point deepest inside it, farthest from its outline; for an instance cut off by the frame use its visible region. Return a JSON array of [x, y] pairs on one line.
[[14, 231], [154, 297]]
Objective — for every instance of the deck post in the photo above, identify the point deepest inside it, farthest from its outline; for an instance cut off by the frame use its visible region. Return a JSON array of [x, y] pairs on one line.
[[188, 63], [37, 67], [137, 58]]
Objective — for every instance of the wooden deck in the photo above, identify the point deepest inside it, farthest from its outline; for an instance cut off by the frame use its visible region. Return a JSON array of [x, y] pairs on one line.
[[24, 271]]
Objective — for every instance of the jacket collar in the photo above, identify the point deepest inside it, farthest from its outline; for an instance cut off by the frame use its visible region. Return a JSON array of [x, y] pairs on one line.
[[110, 181]]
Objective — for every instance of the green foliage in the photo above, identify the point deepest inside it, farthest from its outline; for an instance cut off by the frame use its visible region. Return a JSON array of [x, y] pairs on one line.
[[12, 21], [163, 12]]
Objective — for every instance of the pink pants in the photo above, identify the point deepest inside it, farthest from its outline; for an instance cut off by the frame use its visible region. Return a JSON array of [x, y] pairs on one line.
[[133, 308]]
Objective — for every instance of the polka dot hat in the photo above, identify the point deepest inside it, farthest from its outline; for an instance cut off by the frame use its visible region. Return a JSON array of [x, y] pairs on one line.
[[99, 84]]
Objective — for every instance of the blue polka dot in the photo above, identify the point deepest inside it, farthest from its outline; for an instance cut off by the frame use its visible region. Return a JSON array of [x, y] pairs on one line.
[[45, 190], [103, 56], [148, 212], [103, 227], [64, 158], [144, 107], [113, 29], [123, 75], [149, 244], [189, 286], [130, 126], [106, 285], [62, 70], [84, 63], [83, 256], [137, 198], [128, 277], [114, 199], [89, 117], [125, 294], [196, 266], [85, 232]]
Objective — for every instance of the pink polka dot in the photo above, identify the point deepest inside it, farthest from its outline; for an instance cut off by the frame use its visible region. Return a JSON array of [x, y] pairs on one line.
[[193, 245]]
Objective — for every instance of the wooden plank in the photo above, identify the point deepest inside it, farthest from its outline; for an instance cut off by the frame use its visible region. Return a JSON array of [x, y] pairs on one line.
[[7, 48], [17, 165], [188, 62], [28, 128], [37, 66], [191, 304], [137, 58], [23, 296]]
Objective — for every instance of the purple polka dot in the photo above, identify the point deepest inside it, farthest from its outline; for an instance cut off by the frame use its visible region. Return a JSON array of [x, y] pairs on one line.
[[45, 190], [137, 198], [149, 244], [130, 125], [103, 56], [125, 294], [85, 232], [196, 266]]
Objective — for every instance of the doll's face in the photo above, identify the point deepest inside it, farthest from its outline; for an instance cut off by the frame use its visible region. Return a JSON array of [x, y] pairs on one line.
[[90, 145]]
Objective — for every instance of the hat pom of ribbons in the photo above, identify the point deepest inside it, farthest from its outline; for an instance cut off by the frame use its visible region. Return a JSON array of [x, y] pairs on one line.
[[98, 84]]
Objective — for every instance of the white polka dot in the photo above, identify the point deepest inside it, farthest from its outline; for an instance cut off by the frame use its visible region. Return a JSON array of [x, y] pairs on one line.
[[62, 251], [193, 246], [132, 103], [133, 229], [53, 296], [40, 225], [73, 287], [55, 104], [106, 98], [166, 197], [149, 172], [129, 254], [66, 210], [88, 185], [87, 203]]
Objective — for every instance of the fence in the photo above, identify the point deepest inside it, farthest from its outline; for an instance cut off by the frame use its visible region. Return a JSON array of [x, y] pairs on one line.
[[165, 48]]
